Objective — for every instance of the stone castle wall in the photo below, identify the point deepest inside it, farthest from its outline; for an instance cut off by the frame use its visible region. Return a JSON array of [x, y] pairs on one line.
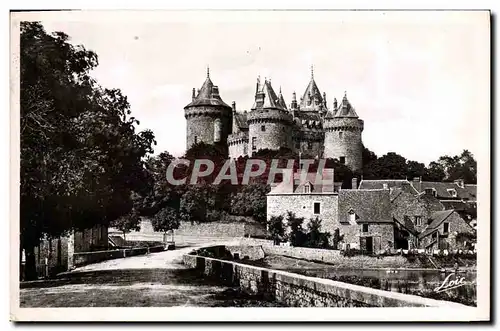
[[344, 140], [274, 136], [208, 124]]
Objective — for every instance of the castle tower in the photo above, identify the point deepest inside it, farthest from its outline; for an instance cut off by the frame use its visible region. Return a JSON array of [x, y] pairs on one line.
[[269, 122], [343, 130], [209, 119]]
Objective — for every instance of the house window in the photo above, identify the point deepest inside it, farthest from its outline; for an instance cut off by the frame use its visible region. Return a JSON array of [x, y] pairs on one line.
[[307, 189], [195, 139], [341, 134], [434, 236], [446, 227], [352, 216], [263, 128], [365, 228], [342, 160], [452, 192], [254, 143], [418, 220], [317, 208]]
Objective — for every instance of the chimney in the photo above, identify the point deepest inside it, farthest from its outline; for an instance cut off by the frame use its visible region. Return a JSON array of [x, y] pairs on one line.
[[234, 106], [194, 95], [354, 185], [459, 183], [416, 183]]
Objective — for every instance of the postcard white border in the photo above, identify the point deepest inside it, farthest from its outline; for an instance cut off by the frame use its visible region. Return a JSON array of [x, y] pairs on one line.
[[242, 314]]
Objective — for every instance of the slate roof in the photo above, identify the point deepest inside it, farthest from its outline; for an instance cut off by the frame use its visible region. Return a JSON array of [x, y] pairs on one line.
[[378, 184], [207, 97], [312, 99], [456, 205], [370, 206], [437, 218], [298, 185], [432, 203], [241, 120], [271, 100], [345, 109], [443, 187], [282, 100]]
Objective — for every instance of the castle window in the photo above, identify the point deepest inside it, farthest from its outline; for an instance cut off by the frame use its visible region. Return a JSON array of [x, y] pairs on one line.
[[317, 208], [342, 160], [341, 134], [254, 143], [365, 228], [263, 128], [195, 139], [245, 149], [309, 145], [418, 220], [297, 145]]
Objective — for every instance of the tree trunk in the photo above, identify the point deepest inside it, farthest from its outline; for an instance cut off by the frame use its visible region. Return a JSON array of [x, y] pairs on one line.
[[30, 266]]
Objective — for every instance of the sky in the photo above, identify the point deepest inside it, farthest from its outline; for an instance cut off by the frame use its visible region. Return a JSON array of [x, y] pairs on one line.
[[419, 80]]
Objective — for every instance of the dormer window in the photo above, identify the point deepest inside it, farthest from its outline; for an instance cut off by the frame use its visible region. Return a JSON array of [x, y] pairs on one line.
[[352, 216], [385, 186], [452, 192], [430, 191], [307, 188]]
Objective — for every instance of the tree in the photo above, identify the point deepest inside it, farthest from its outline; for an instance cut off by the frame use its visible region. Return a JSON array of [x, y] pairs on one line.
[[251, 200], [81, 157], [434, 172], [297, 236], [337, 238], [127, 223], [276, 227], [389, 166], [415, 169], [314, 237], [167, 219]]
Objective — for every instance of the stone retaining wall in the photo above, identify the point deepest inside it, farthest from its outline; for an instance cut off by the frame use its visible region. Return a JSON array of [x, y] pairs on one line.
[[301, 291]]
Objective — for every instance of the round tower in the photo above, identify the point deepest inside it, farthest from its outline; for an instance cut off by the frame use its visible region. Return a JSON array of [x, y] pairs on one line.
[[208, 118], [269, 122], [343, 141]]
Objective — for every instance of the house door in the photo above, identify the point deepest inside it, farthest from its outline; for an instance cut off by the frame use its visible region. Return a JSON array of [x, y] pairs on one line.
[[369, 245]]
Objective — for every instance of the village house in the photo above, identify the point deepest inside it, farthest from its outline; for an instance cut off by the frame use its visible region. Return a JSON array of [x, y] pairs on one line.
[[411, 212], [446, 230], [56, 255]]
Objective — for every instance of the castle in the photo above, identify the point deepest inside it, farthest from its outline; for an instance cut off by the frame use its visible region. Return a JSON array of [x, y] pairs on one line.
[[307, 126]]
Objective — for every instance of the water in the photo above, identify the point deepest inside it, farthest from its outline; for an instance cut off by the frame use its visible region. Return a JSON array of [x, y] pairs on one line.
[[415, 282]]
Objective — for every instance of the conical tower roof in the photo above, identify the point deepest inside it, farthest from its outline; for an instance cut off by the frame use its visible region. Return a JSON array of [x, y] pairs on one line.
[[312, 99], [282, 100], [208, 95], [271, 100], [345, 109]]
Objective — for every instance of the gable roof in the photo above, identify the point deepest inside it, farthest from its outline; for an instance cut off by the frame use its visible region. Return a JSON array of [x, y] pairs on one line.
[[437, 218], [407, 224], [378, 184], [370, 206], [443, 187], [208, 96]]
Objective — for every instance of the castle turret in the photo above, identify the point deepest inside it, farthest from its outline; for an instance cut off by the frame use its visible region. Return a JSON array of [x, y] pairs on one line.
[[269, 122], [209, 119], [343, 130]]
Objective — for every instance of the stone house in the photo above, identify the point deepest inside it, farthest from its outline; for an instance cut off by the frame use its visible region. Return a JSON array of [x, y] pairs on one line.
[[56, 255], [411, 212], [365, 220], [445, 231], [306, 199]]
